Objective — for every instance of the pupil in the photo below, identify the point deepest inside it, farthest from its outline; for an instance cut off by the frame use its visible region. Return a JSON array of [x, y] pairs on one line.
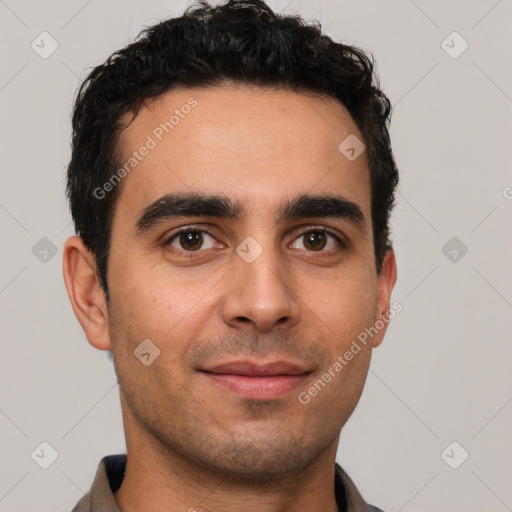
[[313, 239], [191, 240]]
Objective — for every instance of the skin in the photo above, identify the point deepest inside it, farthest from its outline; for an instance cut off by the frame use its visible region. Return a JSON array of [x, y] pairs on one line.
[[190, 443]]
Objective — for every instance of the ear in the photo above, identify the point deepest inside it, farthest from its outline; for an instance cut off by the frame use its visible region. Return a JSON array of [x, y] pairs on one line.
[[385, 283], [85, 293]]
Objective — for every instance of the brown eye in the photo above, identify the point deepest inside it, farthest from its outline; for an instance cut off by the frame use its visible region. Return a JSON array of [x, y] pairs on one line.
[[189, 240], [315, 241], [318, 241]]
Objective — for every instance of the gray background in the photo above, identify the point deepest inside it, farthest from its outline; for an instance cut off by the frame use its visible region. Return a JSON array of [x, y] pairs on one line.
[[443, 373]]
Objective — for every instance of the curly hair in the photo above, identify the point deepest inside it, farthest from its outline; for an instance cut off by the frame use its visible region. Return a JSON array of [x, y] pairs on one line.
[[242, 42]]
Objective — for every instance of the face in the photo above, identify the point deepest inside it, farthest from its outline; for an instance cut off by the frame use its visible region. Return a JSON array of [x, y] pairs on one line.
[[242, 283]]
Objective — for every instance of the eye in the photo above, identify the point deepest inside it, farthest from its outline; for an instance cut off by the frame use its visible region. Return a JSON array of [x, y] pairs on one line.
[[190, 240], [317, 240]]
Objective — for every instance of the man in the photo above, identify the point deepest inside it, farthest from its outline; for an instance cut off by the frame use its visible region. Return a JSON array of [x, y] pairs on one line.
[[231, 183]]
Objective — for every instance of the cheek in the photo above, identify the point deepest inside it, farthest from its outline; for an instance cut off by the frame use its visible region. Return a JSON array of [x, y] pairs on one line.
[[160, 305], [345, 305]]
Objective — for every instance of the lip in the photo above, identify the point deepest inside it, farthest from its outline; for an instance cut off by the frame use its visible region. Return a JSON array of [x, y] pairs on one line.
[[254, 369], [257, 381]]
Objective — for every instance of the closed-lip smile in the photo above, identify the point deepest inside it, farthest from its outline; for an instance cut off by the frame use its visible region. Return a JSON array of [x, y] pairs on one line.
[[256, 380]]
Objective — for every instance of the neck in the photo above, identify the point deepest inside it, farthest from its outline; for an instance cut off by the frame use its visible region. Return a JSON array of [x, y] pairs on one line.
[[159, 480]]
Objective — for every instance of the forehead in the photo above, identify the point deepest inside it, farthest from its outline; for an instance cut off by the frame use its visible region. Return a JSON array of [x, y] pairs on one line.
[[259, 145]]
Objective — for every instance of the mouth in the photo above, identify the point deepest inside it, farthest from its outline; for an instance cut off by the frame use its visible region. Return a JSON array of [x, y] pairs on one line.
[[257, 381]]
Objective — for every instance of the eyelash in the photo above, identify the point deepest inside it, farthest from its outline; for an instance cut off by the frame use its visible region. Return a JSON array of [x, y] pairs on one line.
[[309, 229]]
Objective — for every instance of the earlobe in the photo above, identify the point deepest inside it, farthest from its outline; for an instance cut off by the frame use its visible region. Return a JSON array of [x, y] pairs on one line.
[[385, 284], [85, 293]]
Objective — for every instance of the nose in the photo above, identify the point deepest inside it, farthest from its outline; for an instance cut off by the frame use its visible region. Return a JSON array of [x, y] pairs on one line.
[[260, 293]]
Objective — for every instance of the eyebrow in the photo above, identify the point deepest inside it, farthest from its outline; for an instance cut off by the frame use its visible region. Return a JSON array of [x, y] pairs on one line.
[[176, 205]]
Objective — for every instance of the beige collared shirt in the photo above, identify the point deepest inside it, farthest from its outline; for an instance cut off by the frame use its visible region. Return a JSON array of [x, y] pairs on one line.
[[110, 474]]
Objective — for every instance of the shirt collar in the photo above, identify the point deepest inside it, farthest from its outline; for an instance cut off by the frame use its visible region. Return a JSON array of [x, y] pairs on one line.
[[110, 474]]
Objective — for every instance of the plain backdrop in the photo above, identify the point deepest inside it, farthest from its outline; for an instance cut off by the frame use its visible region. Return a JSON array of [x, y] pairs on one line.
[[443, 374]]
